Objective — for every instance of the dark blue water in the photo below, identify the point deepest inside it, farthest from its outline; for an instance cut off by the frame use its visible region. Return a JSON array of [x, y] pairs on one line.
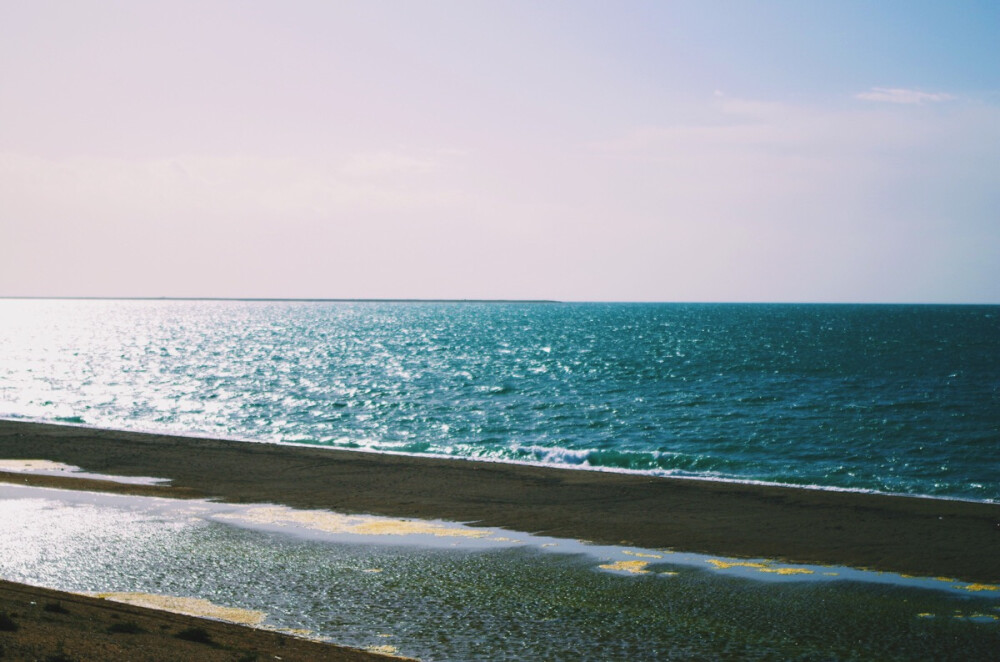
[[888, 398]]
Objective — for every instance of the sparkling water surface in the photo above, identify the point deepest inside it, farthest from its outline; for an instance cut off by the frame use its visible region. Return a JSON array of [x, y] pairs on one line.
[[902, 399], [493, 599]]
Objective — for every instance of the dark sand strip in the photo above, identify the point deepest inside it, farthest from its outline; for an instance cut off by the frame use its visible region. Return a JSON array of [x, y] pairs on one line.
[[928, 537], [41, 624]]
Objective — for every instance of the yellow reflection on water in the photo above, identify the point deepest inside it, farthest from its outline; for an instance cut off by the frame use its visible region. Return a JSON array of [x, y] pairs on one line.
[[724, 565], [384, 649], [187, 606], [642, 555], [760, 567], [635, 567], [329, 522]]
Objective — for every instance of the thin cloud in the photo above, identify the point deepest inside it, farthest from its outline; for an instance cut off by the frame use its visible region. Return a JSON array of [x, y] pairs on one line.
[[903, 96], [222, 187], [387, 163]]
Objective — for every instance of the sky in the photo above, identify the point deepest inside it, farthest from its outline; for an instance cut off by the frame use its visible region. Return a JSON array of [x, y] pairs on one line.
[[703, 150]]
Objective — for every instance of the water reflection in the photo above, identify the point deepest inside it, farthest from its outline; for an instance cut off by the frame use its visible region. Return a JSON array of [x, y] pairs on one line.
[[437, 590]]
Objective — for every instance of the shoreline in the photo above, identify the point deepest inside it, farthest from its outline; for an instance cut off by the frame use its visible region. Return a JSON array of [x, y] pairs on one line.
[[40, 623], [491, 460], [914, 535]]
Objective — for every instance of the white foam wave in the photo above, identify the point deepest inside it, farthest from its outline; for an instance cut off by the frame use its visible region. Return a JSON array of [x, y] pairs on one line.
[[553, 455]]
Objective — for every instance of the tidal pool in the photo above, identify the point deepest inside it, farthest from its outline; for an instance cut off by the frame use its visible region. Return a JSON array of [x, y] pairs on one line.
[[443, 591]]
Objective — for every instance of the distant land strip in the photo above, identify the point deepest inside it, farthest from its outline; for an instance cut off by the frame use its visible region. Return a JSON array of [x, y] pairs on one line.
[[276, 299]]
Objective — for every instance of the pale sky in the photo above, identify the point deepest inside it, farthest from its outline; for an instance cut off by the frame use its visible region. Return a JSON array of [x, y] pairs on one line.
[[634, 151]]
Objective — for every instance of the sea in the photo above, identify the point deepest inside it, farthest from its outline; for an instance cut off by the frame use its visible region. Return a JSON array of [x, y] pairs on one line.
[[899, 399], [895, 399]]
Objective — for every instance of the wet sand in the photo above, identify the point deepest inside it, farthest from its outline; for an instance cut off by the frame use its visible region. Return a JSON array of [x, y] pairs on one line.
[[930, 537]]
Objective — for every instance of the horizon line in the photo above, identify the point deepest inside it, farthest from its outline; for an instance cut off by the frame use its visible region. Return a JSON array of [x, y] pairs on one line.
[[446, 300]]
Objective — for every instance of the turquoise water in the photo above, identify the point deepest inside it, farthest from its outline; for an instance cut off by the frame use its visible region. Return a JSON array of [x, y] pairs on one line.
[[901, 399]]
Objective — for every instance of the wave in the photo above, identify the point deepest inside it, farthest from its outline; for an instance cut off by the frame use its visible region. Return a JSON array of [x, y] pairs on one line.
[[658, 462], [532, 456]]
